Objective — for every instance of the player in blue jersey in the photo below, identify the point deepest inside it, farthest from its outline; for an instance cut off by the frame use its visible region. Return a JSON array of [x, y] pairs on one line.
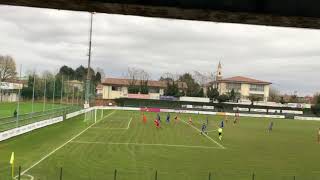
[[159, 118], [203, 129], [270, 127], [222, 124], [168, 118]]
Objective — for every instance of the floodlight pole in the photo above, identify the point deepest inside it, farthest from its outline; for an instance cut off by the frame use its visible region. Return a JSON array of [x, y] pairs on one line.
[[34, 83], [61, 93], [54, 91], [87, 94], [44, 94], [19, 95]]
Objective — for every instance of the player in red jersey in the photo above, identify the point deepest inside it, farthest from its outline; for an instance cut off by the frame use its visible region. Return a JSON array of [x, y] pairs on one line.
[[157, 123], [144, 119]]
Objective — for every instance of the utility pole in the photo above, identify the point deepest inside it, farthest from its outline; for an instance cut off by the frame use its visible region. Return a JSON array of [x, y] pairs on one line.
[[87, 96]]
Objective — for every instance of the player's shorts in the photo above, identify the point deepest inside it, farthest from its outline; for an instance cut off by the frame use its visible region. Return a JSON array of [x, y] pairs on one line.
[[220, 134]]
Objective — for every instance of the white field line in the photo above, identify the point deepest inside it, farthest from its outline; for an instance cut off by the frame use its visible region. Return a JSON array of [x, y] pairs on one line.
[[143, 144], [220, 145], [128, 126], [27, 175], [52, 152]]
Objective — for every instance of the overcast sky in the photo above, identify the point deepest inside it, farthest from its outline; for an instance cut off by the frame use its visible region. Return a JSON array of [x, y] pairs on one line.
[[45, 39]]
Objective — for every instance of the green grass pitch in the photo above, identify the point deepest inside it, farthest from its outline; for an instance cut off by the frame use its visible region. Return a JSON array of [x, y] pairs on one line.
[[7, 109], [88, 150]]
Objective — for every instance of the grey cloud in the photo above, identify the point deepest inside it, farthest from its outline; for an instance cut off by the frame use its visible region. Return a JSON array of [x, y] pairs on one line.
[[45, 39]]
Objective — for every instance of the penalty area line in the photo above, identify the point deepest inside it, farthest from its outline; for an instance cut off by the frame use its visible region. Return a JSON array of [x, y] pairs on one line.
[[64, 144], [144, 144], [128, 126], [220, 145]]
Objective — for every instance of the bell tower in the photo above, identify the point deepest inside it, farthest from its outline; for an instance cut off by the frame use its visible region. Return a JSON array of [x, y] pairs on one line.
[[219, 72]]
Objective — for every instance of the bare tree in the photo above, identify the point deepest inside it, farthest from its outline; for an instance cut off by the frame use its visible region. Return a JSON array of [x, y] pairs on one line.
[[7, 68], [132, 76], [143, 75], [203, 78], [138, 80], [169, 77], [274, 95]]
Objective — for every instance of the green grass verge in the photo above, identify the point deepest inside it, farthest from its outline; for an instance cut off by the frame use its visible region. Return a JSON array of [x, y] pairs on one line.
[[176, 151], [7, 109]]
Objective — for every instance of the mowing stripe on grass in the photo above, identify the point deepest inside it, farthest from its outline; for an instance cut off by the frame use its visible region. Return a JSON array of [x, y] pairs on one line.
[[74, 137], [220, 145], [128, 126], [143, 144]]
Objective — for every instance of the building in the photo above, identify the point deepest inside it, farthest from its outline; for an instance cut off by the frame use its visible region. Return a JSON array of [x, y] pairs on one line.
[[244, 86], [115, 88], [9, 91]]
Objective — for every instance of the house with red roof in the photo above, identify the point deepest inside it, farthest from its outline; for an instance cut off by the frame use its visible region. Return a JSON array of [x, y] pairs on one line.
[[115, 88], [244, 86]]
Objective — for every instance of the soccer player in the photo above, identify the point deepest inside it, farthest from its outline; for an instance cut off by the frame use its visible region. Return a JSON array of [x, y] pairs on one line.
[[220, 133], [176, 119], [226, 118], [203, 129], [222, 124], [270, 127], [144, 119], [319, 136], [15, 113], [207, 120], [158, 117], [236, 118], [168, 118], [157, 123], [190, 120]]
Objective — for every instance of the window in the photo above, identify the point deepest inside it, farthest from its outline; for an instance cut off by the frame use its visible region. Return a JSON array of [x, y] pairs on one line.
[[256, 87], [116, 88], [234, 86]]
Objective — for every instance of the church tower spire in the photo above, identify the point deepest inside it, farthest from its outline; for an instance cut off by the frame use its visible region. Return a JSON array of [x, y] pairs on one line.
[[219, 72]]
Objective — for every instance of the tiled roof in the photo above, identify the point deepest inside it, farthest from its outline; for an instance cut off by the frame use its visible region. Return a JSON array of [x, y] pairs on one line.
[[241, 79], [151, 83]]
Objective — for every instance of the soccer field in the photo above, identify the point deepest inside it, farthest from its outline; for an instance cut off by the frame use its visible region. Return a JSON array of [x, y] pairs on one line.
[[119, 140], [7, 109]]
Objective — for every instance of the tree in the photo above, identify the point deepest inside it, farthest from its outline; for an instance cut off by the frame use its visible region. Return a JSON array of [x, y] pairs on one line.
[[222, 98], [194, 88], [7, 68], [138, 81], [316, 108], [172, 89], [67, 72], [282, 100], [253, 98], [293, 98], [144, 78], [232, 95], [274, 95], [98, 78], [101, 71], [80, 73], [212, 93]]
